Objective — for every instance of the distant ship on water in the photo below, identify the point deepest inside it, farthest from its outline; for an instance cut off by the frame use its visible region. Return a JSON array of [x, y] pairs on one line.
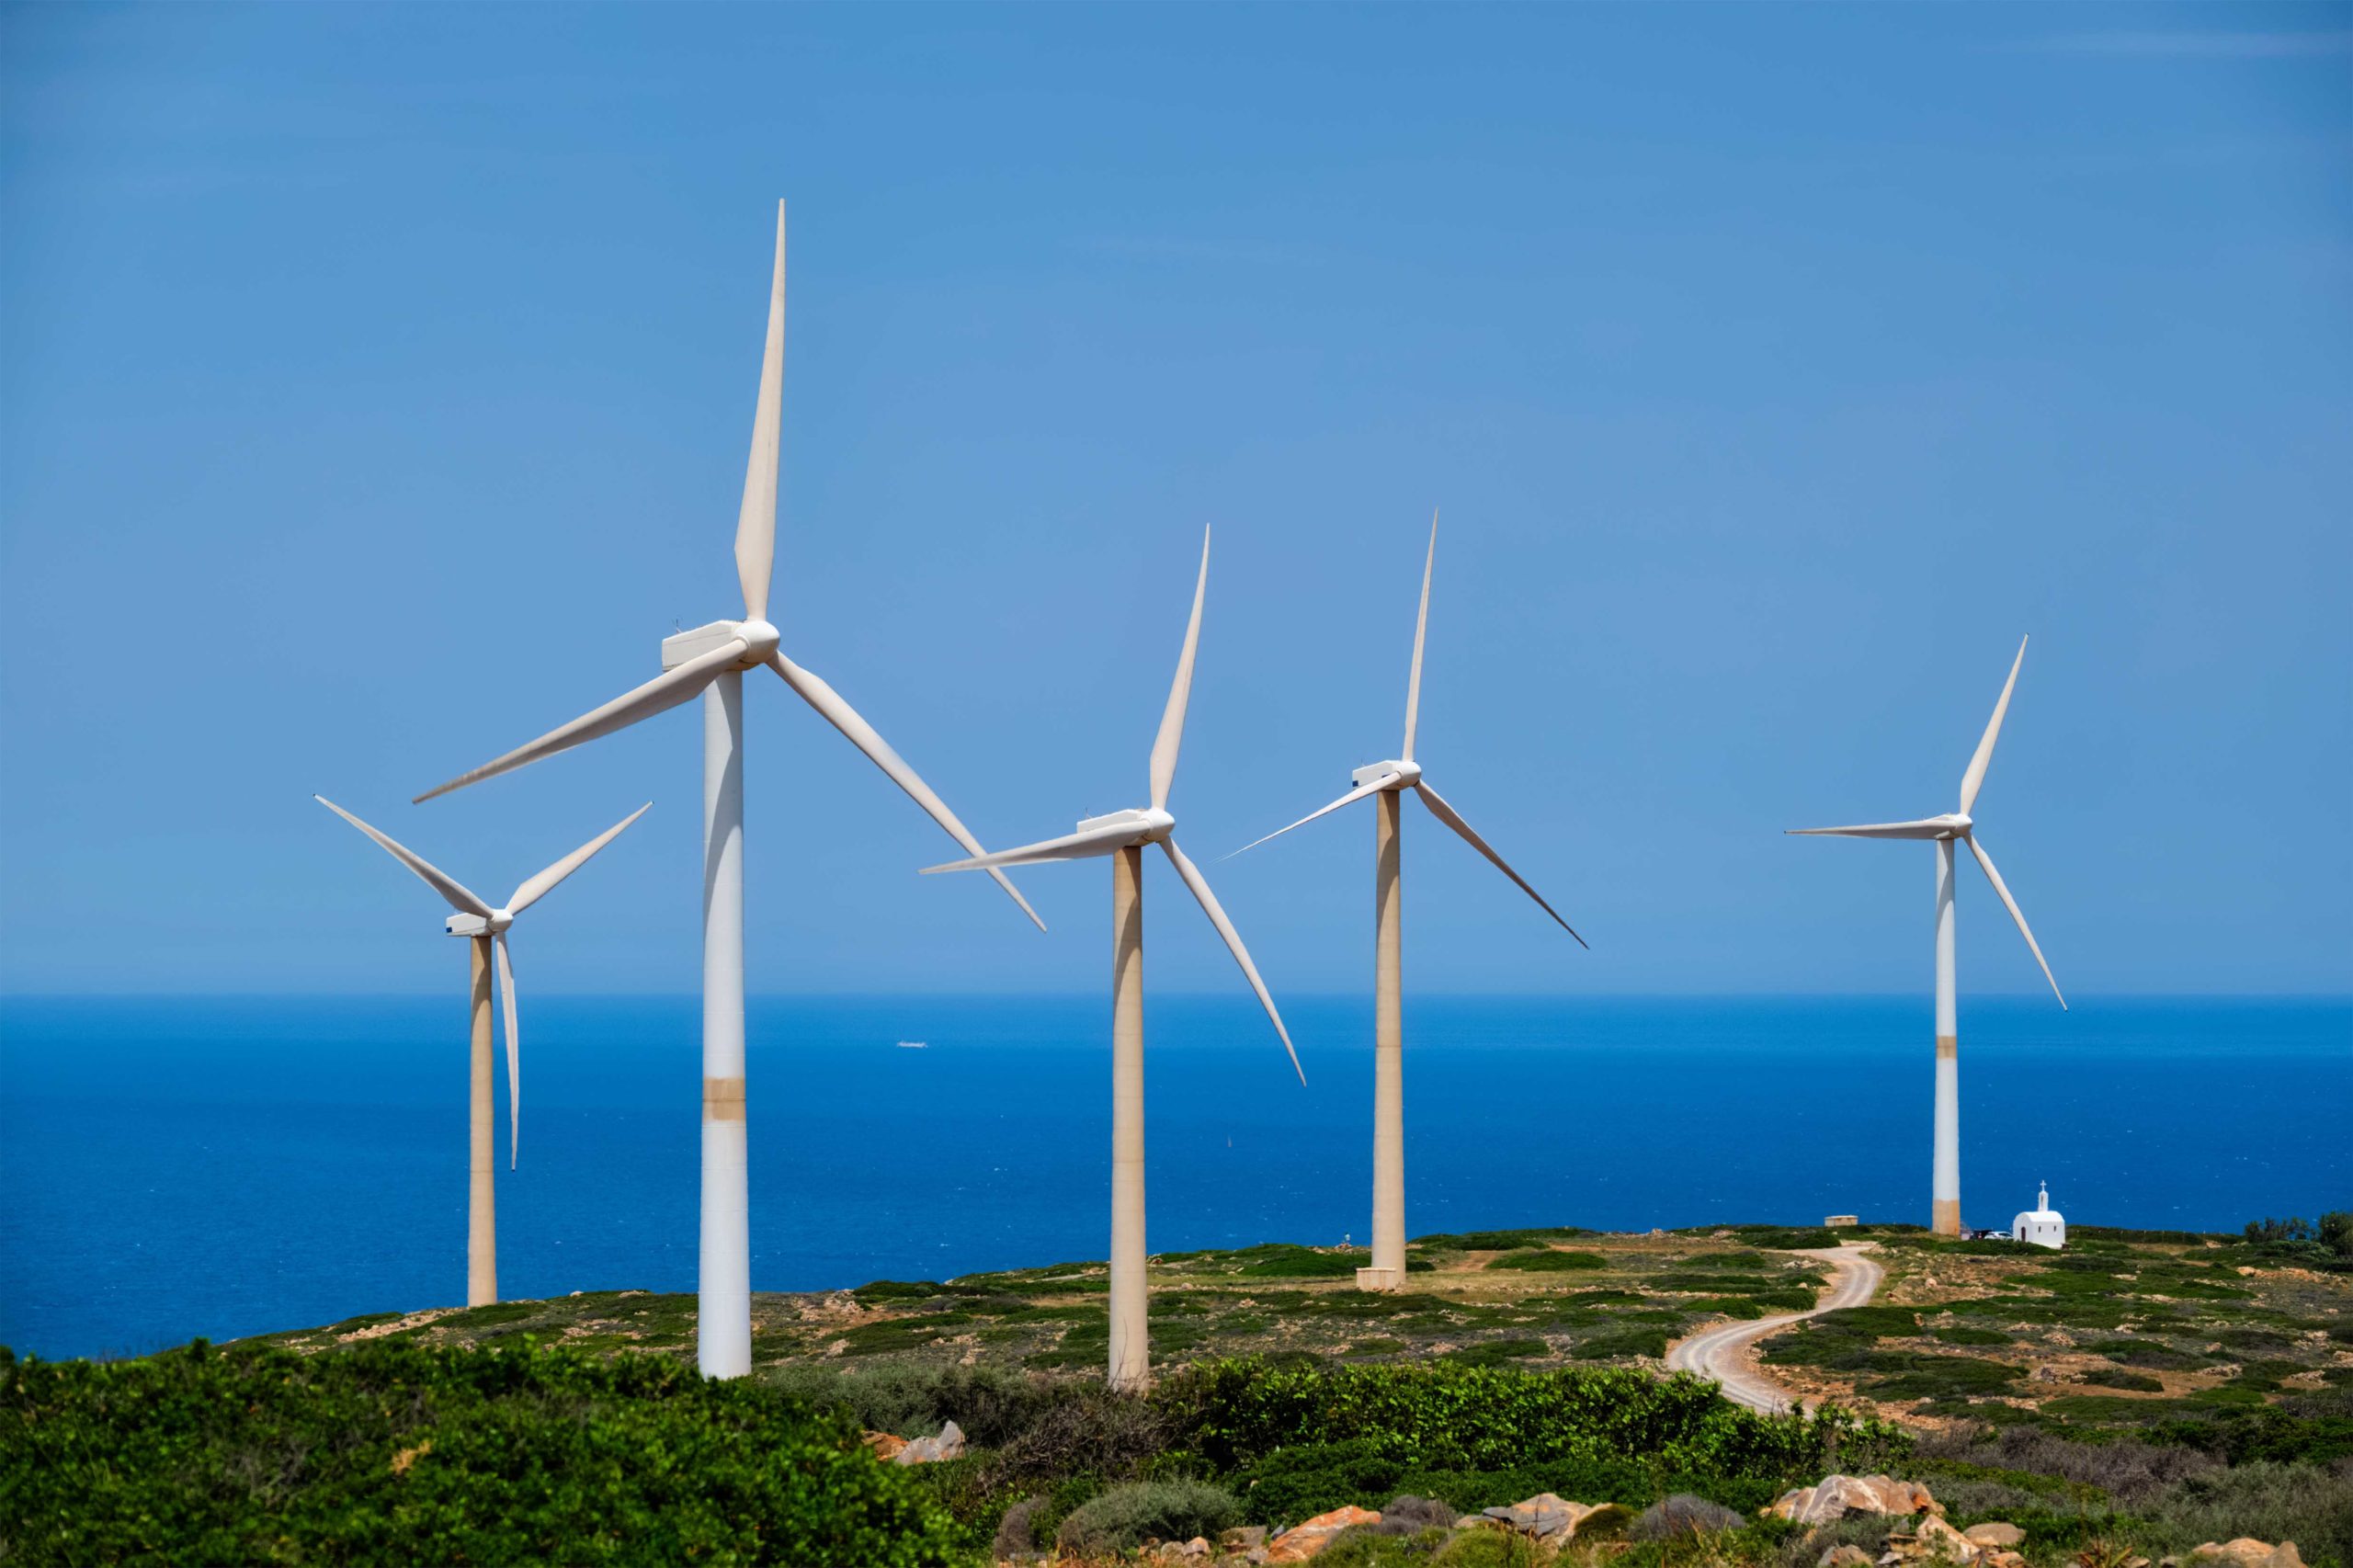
[[913, 1044]]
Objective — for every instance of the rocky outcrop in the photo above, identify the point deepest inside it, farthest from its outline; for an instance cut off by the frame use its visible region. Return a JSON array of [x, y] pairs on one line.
[[1301, 1543], [1836, 1496], [1937, 1542], [2246, 1552], [947, 1445], [1552, 1519]]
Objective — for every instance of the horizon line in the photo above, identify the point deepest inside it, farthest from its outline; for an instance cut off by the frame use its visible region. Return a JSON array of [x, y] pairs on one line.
[[8, 995]]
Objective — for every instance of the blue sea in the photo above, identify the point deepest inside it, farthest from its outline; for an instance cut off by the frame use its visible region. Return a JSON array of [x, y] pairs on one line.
[[226, 1166]]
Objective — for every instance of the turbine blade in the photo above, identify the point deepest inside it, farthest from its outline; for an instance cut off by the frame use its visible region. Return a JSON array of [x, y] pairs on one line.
[[1359, 793], [1453, 819], [1928, 827], [1172, 718], [813, 690], [513, 1056], [1994, 877], [1973, 780], [755, 524], [659, 695], [460, 898], [538, 887], [1421, 625], [1209, 906], [1069, 847]]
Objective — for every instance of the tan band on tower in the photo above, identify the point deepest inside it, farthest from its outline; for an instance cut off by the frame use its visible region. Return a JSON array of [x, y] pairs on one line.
[[1948, 1046], [1946, 1217], [722, 1099]]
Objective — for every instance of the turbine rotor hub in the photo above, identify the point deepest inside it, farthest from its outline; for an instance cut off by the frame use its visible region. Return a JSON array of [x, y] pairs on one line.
[[760, 638]]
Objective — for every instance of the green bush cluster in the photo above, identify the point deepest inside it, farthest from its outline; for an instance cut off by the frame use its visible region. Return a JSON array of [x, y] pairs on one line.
[[1123, 1517], [1546, 1260], [1481, 1418], [389, 1453]]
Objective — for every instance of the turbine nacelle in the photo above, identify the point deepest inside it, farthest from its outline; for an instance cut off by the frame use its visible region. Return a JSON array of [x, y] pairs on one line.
[[1152, 826], [760, 639], [1398, 773], [491, 925]]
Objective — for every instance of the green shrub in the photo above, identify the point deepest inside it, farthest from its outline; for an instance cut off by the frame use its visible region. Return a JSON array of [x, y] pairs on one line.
[[1970, 1335], [1439, 1416], [1489, 1352], [2144, 1353], [2116, 1378], [1279, 1261], [1370, 1546], [1123, 1517], [1017, 1530], [1942, 1377], [396, 1454], [1626, 1342], [1796, 1299], [1546, 1260], [1730, 1307], [1683, 1516], [1842, 1340], [2310, 1505], [2334, 1232], [1497, 1241], [1489, 1549]]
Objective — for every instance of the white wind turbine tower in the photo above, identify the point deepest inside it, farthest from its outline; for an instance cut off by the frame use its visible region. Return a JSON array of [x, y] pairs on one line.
[[710, 661], [487, 928], [1387, 783], [1121, 836], [1945, 1183]]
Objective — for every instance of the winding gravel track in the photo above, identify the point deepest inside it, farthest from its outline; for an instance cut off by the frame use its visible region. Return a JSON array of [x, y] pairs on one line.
[[1717, 1353]]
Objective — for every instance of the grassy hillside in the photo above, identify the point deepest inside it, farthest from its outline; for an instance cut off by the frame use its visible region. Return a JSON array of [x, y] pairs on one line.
[[1532, 1298], [2136, 1393], [2122, 1330]]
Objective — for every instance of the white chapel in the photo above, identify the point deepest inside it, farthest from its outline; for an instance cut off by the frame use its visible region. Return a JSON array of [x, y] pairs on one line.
[[2044, 1226]]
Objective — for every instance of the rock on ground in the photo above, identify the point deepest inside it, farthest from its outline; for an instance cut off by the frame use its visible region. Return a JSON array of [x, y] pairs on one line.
[[1303, 1541], [947, 1445], [1836, 1496], [1550, 1517], [2248, 1552]]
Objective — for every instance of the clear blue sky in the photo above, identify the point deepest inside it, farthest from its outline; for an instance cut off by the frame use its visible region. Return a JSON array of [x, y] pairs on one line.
[[377, 385]]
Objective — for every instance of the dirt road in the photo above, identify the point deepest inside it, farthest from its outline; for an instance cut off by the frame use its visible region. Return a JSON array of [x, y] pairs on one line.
[[1722, 1353]]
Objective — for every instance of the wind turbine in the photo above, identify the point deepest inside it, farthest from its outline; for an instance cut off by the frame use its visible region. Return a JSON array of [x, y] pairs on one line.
[[487, 928], [1943, 831], [1121, 836], [1387, 782], [709, 661]]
